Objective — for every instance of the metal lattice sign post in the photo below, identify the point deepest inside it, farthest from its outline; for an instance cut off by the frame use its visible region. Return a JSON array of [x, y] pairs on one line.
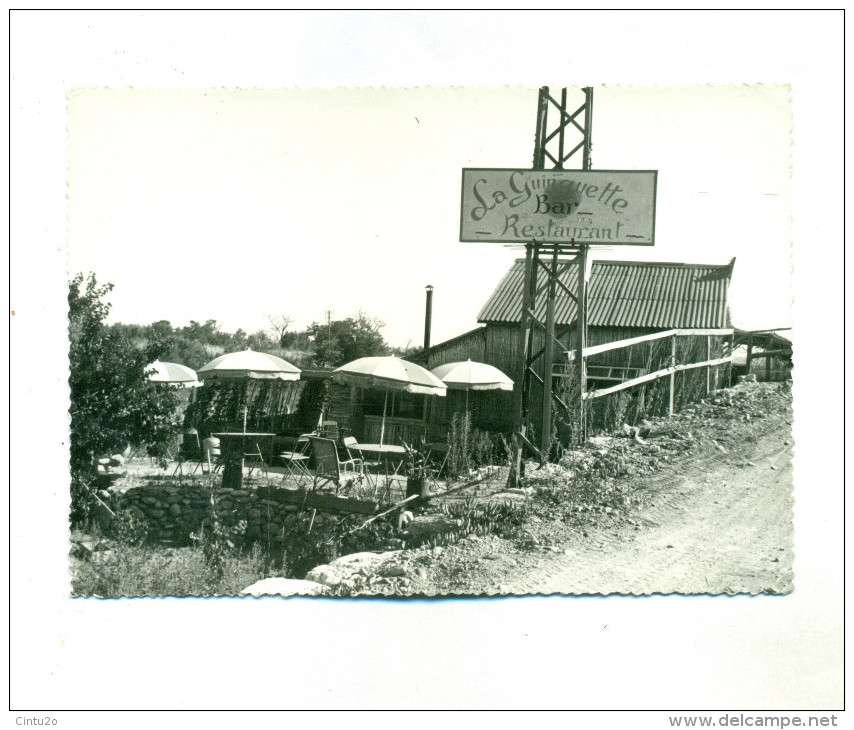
[[554, 213]]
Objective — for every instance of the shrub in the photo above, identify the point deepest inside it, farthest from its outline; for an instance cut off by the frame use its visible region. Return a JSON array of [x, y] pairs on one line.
[[482, 448], [217, 540], [307, 545], [112, 401], [468, 447], [459, 454], [157, 571], [136, 567], [504, 519], [566, 421]]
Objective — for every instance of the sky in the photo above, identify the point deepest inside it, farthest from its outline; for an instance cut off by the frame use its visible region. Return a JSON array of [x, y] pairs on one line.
[[241, 204]]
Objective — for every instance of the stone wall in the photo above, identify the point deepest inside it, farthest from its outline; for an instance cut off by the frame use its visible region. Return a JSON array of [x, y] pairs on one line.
[[172, 513]]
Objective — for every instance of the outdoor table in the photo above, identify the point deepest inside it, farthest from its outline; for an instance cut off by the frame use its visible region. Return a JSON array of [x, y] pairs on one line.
[[385, 452], [234, 451]]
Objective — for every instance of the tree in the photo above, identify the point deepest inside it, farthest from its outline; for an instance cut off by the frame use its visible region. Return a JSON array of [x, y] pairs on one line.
[[409, 352], [280, 325], [343, 340], [162, 329], [112, 401]]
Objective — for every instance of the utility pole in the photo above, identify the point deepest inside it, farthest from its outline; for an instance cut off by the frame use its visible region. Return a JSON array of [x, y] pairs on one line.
[[328, 314]]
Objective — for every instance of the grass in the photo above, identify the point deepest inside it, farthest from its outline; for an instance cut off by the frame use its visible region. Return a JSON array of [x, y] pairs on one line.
[[140, 570], [136, 567], [219, 561]]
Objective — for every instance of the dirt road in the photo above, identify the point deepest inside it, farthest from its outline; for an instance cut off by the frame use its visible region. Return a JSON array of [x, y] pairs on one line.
[[726, 530], [715, 518]]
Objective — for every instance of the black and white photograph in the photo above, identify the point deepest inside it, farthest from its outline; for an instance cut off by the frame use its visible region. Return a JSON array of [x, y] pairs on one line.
[[427, 359], [406, 361]]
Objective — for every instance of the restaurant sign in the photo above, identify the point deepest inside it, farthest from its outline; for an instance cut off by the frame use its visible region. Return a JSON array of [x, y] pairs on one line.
[[612, 207]]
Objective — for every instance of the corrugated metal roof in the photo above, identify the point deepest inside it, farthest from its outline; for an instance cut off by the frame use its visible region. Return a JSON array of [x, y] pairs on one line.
[[624, 294]]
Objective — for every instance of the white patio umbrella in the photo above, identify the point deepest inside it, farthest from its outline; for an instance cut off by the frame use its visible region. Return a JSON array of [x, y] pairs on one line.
[[388, 373], [249, 365], [171, 372], [470, 375]]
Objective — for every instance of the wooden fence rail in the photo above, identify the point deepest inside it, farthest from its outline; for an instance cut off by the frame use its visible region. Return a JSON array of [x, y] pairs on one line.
[[619, 344], [671, 370], [654, 376]]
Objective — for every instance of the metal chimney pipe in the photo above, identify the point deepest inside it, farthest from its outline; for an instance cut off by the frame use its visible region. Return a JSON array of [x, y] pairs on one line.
[[428, 316]]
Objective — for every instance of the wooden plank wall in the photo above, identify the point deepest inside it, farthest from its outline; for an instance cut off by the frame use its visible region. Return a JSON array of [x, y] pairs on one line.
[[346, 407], [470, 346], [341, 408], [497, 344], [491, 410], [630, 357], [398, 431]]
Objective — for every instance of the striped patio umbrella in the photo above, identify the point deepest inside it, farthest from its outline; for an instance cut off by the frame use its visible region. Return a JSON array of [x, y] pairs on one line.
[[171, 372]]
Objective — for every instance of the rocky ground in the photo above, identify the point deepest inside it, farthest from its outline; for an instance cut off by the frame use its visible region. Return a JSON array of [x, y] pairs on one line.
[[697, 503]]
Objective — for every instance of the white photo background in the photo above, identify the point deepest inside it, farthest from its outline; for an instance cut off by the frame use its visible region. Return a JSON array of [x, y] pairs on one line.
[[654, 652]]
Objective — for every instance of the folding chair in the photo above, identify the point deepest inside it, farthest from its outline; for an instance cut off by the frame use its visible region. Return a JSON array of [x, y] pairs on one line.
[[352, 445], [329, 430], [296, 461], [255, 459], [328, 468], [190, 450], [435, 451]]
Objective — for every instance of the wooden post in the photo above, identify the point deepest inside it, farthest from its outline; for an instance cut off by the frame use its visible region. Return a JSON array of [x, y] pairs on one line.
[[586, 164], [548, 366], [749, 351], [529, 358], [731, 348], [425, 411], [525, 326], [581, 326], [352, 415], [708, 368], [672, 375], [522, 367], [232, 456]]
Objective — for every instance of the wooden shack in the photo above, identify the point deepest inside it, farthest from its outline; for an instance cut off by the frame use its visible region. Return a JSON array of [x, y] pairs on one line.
[[625, 299], [359, 412], [767, 354]]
